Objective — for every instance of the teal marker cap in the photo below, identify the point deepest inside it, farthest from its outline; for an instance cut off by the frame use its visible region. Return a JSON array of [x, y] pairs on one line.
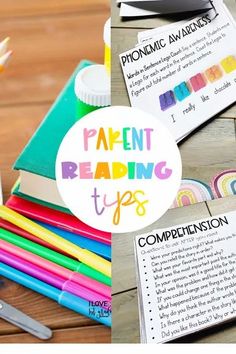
[[92, 89]]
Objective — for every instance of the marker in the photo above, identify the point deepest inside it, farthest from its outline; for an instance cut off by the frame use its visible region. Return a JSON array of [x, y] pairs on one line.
[[65, 299], [55, 257], [83, 255], [16, 230], [99, 248], [54, 269], [4, 45], [49, 277], [4, 59]]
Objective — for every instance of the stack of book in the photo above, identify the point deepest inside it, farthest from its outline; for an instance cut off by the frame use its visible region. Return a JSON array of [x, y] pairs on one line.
[[35, 193]]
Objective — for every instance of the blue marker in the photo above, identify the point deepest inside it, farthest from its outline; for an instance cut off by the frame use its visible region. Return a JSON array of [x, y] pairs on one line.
[[182, 91], [65, 299], [94, 246]]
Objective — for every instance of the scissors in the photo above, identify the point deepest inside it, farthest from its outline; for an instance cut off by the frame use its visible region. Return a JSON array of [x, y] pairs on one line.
[[21, 320]]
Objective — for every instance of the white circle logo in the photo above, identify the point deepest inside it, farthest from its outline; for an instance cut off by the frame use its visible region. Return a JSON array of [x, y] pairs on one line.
[[118, 169]]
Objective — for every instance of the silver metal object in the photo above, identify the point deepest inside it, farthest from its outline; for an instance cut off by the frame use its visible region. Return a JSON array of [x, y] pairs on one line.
[[21, 320]]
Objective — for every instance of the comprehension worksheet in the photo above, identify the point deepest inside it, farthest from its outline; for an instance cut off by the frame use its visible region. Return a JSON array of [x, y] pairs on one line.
[[186, 277]]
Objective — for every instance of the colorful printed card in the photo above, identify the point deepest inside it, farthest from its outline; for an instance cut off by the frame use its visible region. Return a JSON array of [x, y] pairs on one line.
[[186, 75], [186, 277]]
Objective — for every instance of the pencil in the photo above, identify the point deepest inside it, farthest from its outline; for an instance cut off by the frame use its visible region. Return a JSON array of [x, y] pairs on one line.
[[4, 59], [4, 45]]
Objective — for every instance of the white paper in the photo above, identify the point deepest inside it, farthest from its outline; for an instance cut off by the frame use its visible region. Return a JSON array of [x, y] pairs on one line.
[[127, 10], [148, 35], [149, 8], [152, 33], [186, 277], [152, 75]]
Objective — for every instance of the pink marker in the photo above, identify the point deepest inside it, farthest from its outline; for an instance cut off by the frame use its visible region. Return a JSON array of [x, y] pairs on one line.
[[53, 268], [52, 279]]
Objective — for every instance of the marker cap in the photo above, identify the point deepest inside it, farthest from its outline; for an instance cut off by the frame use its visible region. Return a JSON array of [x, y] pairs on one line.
[[92, 86]]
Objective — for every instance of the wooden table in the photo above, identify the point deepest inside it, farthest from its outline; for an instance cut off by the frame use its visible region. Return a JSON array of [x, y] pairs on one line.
[[49, 38], [210, 150]]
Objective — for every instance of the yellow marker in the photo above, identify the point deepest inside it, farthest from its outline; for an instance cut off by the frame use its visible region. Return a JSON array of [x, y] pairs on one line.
[[4, 59], [229, 64], [86, 257], [4, 45]]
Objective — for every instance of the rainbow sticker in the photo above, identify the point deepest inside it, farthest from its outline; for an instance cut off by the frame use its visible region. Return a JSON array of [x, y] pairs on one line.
[[191, 192], [224, 184]]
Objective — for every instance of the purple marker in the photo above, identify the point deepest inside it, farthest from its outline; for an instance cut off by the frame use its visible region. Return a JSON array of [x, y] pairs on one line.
[[50, 278]]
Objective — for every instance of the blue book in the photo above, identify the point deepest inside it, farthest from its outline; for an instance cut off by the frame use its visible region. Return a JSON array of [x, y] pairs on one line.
[[94, 246]]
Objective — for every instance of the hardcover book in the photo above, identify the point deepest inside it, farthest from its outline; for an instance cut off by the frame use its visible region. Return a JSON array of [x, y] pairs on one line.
[[36, 163]]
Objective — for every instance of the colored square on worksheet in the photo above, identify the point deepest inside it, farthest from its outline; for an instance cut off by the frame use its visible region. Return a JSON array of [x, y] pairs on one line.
[[181, 91], [214, 73], [229, 64], [167, 100], [198, 82]]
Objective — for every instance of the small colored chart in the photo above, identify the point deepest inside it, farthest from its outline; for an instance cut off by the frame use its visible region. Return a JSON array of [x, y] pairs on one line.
[[197, 83]]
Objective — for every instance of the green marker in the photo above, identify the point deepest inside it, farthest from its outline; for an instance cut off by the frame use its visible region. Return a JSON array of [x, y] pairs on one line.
[[92, 89], [53, 256]]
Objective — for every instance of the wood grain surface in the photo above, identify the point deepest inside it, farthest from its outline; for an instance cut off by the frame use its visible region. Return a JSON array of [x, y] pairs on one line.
[[208, 151], [49, 38]]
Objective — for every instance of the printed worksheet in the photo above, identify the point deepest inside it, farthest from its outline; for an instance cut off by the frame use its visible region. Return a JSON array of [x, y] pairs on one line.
[[186, 277], [186, 75]]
